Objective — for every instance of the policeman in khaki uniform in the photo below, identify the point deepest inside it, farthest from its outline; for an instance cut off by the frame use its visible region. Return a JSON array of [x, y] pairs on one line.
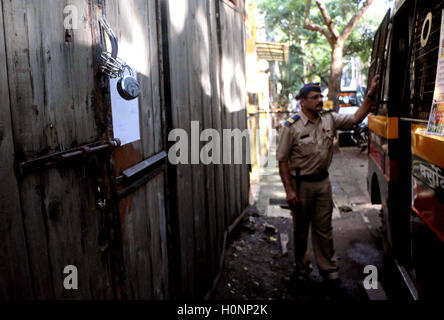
[[304, 153]]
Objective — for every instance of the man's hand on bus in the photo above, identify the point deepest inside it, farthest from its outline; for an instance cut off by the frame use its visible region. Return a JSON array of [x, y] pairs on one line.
[[373, 88], [370, 100]]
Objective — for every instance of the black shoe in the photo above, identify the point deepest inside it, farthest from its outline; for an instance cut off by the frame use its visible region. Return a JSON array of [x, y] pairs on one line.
[[300, 277], [304, 269], [336, 289]]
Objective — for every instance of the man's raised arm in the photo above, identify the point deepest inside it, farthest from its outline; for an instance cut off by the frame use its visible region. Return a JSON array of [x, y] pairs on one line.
[[370, 100]]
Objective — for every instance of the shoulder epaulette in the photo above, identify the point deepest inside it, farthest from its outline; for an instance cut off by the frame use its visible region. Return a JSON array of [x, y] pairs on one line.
[[324, 111], [292, 120]]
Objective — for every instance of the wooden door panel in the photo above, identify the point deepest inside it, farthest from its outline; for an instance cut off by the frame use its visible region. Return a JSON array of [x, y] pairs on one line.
[[57, 104], [15, 279], [144, 235], [140, 166], [55, 99]]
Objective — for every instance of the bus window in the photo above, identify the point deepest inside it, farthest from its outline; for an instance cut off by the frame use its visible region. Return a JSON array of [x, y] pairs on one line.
[[424, 62]]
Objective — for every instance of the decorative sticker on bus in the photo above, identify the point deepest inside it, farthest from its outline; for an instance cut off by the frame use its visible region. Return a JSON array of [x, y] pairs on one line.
[[428, 194], [428, 173], [436, 120]]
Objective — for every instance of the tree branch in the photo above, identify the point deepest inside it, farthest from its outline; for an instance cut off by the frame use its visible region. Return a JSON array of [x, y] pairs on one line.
[[355, 19], [327, 19], [307, 12], [300, 78], [323, 80], [315, 27], [317, 73]]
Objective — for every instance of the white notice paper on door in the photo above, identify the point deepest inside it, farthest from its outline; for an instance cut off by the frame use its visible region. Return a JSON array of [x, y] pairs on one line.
[[126, 125]]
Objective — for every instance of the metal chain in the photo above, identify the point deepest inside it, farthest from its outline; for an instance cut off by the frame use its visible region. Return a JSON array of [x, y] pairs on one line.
[[112, 67]]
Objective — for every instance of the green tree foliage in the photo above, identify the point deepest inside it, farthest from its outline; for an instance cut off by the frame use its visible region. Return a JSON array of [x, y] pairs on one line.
[[310, 52]]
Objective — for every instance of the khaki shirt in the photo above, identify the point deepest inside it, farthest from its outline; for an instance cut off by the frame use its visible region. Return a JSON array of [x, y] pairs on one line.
[[309, 146]]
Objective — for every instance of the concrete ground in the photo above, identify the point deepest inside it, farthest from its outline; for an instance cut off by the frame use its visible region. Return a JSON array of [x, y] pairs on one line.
[[257, 266]]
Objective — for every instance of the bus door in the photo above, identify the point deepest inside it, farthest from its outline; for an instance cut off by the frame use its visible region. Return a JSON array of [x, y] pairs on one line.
[[389, 147], [382, 128]]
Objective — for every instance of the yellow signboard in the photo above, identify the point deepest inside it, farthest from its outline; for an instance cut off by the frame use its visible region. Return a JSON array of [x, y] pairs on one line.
[[328, 105]]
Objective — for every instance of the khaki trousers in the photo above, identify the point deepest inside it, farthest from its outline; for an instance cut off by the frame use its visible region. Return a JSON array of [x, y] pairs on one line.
[[316, 209]]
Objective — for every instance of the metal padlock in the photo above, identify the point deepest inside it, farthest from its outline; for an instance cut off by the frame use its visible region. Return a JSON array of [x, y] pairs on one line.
[[128, 86]]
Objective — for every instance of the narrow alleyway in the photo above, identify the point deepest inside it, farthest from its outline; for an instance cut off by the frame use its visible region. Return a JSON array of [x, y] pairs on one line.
[[259, 256]]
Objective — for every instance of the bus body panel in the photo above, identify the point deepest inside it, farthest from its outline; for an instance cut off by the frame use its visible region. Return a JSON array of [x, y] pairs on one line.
[[406, 165], [428, 178]]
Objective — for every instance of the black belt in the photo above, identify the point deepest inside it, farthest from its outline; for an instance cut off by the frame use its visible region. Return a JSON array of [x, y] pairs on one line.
[[316, 177]]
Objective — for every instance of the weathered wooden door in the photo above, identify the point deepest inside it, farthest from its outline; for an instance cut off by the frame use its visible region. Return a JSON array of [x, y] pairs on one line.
[[206, 68], [70, 196], [54, 121], [140, 165]]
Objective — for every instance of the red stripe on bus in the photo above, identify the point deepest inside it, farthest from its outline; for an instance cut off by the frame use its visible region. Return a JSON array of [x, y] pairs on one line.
[[391, 166], [376, 155], [391, 169], [428, 207], [440, 236]]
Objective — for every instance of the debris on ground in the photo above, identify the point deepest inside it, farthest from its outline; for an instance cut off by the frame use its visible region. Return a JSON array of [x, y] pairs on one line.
[[270, 229], [263, 266], [345, 209], [284, 242]]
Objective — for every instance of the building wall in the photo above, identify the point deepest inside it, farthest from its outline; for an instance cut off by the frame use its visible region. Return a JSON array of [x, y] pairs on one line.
[[259, 117]]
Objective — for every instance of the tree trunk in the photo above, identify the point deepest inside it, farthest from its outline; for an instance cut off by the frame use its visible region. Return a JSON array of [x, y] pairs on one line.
[[304, 64], [334, 86]]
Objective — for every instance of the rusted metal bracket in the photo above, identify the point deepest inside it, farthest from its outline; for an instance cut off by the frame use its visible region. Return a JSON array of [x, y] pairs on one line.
[[138, 175], [141, 167], [60, 157], [140, 182]]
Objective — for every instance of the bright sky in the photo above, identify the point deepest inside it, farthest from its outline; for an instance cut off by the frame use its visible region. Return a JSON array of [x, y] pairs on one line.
[[380, 6]]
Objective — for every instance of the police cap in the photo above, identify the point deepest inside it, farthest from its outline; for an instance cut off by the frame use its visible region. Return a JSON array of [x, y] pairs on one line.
[[312, 86]]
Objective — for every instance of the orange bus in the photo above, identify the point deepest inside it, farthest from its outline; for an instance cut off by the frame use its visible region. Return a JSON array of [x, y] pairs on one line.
[[406, 165]]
